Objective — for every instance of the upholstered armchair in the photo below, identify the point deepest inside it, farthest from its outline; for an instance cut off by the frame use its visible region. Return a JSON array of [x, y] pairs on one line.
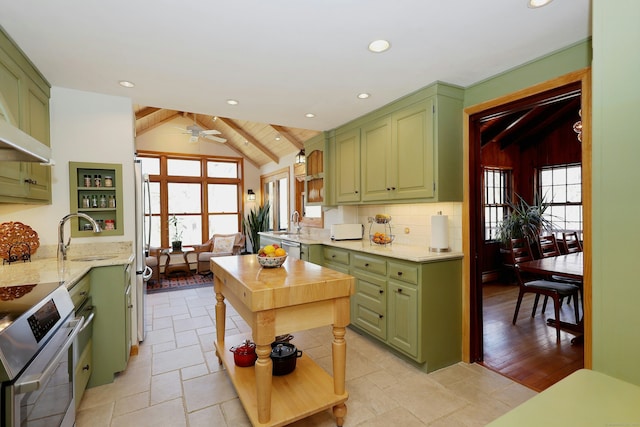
[[217, 245], [153, 261]]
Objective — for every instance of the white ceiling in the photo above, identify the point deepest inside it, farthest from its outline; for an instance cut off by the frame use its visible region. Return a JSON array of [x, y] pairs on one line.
[[283, 58]]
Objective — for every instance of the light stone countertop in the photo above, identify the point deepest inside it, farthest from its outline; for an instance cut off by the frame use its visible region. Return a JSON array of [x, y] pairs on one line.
[[42, 270], [396, 250]]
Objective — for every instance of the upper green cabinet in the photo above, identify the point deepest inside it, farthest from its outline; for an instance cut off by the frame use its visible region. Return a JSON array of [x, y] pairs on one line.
[[315, 188], [409, 150], [24, 102]]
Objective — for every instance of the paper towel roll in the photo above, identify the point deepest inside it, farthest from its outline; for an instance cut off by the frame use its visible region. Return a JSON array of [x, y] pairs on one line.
[[439, 233]]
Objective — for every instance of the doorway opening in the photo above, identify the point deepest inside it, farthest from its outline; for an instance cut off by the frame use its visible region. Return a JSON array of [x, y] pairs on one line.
[[518, 136]]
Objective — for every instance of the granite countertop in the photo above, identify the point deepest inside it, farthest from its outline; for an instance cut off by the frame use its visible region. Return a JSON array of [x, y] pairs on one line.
[[46, 269], [396, 250]]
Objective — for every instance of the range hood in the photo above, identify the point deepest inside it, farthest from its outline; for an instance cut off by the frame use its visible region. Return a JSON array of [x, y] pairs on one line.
[[16, 145]]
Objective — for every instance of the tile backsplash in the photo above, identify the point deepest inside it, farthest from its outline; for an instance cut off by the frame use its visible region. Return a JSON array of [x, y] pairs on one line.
[[414, 218]]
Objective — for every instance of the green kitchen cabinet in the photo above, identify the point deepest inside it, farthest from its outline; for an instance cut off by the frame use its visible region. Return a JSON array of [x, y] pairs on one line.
[[311, 253], [414, 308], [102, 203], [111, 292], [346, 158], [407, 151], [24, 102], [80, 294]]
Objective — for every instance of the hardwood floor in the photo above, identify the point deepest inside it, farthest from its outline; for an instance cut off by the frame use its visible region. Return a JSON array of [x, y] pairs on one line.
[[526, 352]]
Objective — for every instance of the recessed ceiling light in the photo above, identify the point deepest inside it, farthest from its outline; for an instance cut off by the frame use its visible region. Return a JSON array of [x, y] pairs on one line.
[[363, 95], [310, 115], [125, 83], [232, 102], [378, 46], [534, 4], [277, 137]]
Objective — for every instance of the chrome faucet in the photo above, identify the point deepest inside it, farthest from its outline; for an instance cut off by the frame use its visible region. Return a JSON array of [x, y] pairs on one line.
[[62, 247], [295, 218]]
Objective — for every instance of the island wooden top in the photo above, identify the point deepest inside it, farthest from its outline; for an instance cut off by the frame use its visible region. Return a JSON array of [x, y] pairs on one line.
[[296, 282]]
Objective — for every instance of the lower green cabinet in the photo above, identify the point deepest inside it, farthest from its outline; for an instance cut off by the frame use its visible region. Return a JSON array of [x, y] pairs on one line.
[[311, 253], [414, 308], [111, 292]]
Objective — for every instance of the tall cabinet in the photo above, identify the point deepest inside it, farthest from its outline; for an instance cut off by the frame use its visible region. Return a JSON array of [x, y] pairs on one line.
[[24, 102]]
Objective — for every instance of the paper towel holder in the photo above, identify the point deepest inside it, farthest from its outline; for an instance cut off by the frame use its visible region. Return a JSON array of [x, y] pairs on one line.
[[439, 249]]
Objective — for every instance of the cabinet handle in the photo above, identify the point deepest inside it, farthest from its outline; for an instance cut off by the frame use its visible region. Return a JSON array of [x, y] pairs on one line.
[[85, 367], [399, 290], [366, 264], [130, 306], [399, 273], [30, 181], [388, 189], [333, 256], [393, 188], [356, 191], [381, 291], [381, 316]]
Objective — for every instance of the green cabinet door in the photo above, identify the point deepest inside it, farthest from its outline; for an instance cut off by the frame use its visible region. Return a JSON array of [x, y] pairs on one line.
[[347, 166], [111, 328], [402, 305], [378, 182], [412, 156]]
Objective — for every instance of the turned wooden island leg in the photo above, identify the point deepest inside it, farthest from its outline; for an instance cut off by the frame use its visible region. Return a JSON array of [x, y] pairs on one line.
[[264, 335], [221, 313], [339, 355]]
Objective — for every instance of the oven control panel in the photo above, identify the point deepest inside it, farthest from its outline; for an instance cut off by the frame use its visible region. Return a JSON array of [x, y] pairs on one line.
[[44, 319]]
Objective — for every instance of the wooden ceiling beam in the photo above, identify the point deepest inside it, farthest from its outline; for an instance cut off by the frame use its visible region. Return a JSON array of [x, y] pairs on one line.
[[284, 132], [236, 128], [155, 125], [145, 112]]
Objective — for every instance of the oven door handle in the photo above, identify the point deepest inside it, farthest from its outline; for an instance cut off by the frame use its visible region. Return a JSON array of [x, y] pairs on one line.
[[89, 320], [32, 384]]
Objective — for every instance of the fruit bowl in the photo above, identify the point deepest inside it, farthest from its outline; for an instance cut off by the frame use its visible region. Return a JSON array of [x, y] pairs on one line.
[[271, 261], [381, 238]]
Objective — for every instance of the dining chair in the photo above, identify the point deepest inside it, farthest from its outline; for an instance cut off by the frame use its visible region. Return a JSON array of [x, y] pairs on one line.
[[548, 247], [521, 250], [571, 242]]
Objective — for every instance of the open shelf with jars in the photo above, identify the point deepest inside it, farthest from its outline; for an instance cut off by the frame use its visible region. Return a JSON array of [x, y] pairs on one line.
[[96, 190]]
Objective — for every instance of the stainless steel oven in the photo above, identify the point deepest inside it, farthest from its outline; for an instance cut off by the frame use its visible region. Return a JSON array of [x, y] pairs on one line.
[[37, 331]]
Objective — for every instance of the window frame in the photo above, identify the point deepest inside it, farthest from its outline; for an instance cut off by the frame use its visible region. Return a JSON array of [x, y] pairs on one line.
[[554, 220], [507, 194], [163, 178], [274, 212]]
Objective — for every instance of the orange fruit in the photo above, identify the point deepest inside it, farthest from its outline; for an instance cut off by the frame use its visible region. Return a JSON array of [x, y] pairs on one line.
[[280, 252]]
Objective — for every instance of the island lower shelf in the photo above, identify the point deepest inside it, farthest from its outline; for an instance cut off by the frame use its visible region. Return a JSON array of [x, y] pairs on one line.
[[305, 391]]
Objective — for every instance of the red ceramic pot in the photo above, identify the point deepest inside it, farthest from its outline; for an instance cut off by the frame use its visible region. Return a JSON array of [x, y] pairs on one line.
[[244, 355]]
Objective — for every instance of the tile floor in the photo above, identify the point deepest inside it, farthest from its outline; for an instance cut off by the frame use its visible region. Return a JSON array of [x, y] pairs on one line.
[[175, 380]]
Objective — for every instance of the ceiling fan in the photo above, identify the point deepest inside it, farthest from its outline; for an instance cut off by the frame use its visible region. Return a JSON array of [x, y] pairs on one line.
[[196, 132]]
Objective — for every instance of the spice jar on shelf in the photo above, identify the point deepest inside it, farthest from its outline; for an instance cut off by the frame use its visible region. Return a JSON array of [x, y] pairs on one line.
[[108, 181]]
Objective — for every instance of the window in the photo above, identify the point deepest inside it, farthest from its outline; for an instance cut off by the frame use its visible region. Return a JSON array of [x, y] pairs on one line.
[[203, 193], [497, 188], [275, 190], [561, 187]]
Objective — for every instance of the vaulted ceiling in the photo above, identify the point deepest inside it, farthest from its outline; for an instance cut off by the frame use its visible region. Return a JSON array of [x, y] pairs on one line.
[[257, 143]]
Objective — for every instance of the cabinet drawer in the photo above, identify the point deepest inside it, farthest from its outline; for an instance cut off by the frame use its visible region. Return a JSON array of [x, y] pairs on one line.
[[372, 292], [80, 290], [336, 255], [405, 272], [370, 264]]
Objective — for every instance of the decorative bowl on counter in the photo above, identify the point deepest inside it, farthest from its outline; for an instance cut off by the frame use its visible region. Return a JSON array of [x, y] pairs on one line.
[[271, 262]]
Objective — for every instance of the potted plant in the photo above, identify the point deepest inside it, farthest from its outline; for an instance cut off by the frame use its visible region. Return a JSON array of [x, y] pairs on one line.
[[254, 223], [524, 220], [176, 238]]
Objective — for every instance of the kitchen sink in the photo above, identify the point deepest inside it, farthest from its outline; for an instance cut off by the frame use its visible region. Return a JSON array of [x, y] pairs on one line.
[[93, 258]]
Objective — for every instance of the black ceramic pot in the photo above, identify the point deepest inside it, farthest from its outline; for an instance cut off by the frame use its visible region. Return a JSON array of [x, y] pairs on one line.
[[283, 358]]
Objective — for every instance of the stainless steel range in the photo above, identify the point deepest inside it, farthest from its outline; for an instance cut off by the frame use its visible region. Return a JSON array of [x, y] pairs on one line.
[[37, 330]]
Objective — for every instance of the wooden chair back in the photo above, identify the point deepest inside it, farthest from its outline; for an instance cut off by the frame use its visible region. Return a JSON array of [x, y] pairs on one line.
[[520, 251], [571, 242], [548, 246]]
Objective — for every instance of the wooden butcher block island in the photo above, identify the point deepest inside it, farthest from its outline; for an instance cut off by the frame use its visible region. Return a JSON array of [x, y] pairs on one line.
[[277, 301]]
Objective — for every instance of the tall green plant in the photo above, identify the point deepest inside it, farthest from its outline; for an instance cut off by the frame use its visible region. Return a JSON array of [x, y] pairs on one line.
[[256, 221], [524, 220]]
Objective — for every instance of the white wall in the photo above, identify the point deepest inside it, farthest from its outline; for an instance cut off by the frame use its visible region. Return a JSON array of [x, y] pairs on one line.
[[85, 127]]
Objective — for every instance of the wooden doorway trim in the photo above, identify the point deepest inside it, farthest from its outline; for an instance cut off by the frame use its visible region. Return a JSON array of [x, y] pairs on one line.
[[469, 303]]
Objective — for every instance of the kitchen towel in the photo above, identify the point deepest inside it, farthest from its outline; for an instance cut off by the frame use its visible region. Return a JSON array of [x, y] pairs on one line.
[[439, 233]]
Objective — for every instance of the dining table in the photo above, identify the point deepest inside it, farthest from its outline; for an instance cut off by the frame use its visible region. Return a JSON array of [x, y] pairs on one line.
[[569, 266]]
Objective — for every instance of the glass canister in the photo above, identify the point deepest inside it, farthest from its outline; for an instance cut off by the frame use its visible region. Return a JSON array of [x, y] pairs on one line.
[[97, 180], [108, 181], [103, 201], [87, 180], [109, 224]]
